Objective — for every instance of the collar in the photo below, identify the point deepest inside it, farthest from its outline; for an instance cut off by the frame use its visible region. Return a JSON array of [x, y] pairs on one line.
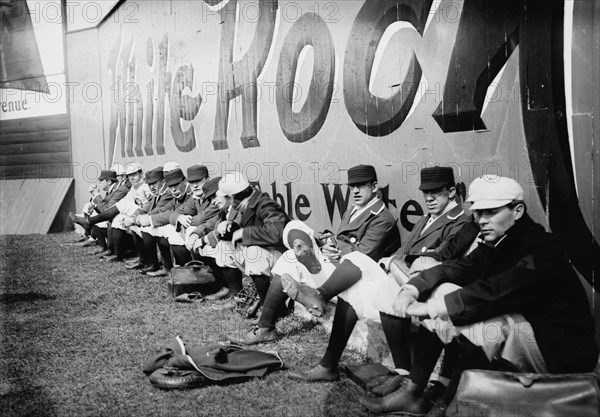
[[449, 207], [367, 206], [249, 201]]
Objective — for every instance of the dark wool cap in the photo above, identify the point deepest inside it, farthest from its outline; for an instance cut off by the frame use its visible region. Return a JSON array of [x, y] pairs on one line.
[[211, 186], [107, 174], [174, 177], [361, 174], [197, 173], [436, 177], [154, 175]]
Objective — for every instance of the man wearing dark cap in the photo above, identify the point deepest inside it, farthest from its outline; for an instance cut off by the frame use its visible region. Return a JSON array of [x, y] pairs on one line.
[[144, 242], [423, 249], [367, 232], [164, 232]]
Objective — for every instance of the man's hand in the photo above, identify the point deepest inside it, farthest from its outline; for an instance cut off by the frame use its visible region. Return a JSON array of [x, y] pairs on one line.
[[331, 251], [127, 221], [144, 220], [185, 220], [191, 240], [198, 244], [223, 227], [403, 301], [237, 237], [417, 310]]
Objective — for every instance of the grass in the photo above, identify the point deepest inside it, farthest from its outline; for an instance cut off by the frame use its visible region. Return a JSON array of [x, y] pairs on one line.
[[76, 330]]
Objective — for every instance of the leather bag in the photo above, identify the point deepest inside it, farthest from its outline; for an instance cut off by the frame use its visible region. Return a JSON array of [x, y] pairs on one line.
[[509, 394], [194, 276]]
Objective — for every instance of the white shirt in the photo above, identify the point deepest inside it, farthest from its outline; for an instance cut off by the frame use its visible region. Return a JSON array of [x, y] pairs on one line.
[[356, 211]]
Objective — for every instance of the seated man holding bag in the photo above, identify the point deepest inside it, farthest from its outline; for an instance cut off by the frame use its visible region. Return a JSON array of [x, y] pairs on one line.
[[518, 282]]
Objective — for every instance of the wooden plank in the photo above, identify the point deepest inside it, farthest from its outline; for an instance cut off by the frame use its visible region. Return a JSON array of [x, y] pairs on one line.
[[37, 136], [34, 147], [35, 171], [36, 158], [34, 124], [30, 206]]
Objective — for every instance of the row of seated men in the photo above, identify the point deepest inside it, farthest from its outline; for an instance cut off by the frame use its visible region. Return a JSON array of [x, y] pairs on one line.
[[458, 274]]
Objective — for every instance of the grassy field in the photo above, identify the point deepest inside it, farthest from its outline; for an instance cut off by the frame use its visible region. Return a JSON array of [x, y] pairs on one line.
[[76, 330]]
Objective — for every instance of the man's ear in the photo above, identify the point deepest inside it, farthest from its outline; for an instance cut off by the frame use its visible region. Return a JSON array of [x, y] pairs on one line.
[[452, 192], [519, 211]]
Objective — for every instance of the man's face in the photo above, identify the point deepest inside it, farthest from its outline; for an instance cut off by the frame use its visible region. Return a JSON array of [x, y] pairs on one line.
[[104, 184], [196, 187], [438, 199], [156, 187], [495, 222], [178, 190], [135, 178], [305, 254], [221, 201], [363, 192]]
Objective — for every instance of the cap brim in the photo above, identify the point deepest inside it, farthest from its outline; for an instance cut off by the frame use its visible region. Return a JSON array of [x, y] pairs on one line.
[[489, 204], [434, 185], [361, 180], [220, 193]]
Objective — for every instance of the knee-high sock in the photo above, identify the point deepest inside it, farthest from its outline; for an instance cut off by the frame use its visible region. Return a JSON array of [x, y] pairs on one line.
[[138, 242], [150, 249], [274, 305], [397, 333], [182, 254], [109, 237], [107, 214], [262, 283], [428, 348], [469, 357], [100, 236], [233, 277], [451, 352], [344, 320], [345, 275], [165, 251], [118, 242]]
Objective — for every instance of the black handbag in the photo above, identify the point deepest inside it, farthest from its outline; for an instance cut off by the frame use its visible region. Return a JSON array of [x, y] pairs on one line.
[[509, 394], [194, 276]]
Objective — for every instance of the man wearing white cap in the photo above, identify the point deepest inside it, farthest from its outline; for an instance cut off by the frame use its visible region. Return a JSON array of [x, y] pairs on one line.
[[518, 281], [255, 243]]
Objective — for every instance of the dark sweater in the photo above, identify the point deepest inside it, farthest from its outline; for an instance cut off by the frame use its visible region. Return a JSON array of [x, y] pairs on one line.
[[526, 273]]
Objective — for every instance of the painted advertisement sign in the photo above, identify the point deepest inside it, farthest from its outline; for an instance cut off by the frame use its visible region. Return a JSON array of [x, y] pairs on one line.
[[293, 93]]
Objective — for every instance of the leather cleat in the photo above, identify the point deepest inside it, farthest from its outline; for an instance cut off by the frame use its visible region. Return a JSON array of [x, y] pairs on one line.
[[434, 390], [305, 295], [135, 266], [318, 374], [88, 243], [162, 272], [225, 304], [149, 268], [98, 251], [114, 258], [255, 336], [219, 295], [407, 401], [133, 260], [105, 254], [189, 298], [389, 386]]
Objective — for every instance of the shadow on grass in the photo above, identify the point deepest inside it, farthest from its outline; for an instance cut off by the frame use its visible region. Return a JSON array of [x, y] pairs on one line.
[[27, 297]]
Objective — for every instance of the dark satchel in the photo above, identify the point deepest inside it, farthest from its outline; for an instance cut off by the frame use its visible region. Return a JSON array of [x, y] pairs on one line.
[[193, 276], [508, 394]]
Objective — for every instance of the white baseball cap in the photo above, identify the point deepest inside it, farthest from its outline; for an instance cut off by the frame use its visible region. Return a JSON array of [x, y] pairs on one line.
[[232, 183], [118, 168], [132, 168], [170, 166], [492, 191]]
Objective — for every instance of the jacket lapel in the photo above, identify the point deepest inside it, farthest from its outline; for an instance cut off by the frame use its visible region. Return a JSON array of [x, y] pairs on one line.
[[251, 209], [374, 210], [438, 223]]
